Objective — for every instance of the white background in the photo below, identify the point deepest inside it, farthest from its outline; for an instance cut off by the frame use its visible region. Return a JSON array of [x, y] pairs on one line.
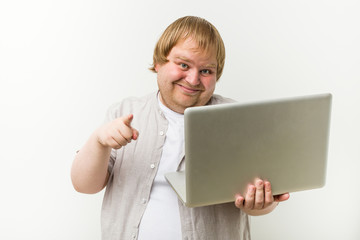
[[62, 63]]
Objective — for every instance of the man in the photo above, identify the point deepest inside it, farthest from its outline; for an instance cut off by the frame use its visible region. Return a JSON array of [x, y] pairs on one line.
[[143, 139]]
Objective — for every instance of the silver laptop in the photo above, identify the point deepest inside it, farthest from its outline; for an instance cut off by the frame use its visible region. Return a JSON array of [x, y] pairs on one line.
[[227, 146]]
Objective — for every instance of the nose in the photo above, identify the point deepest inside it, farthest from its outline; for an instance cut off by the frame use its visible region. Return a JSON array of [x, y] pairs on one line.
[[193, 77]]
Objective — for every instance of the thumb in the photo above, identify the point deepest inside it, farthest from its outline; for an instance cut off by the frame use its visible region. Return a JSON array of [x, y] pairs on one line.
[[281, 197]]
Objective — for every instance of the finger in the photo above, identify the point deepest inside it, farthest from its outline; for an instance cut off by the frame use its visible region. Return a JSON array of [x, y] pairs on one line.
[[124, 130], [114, 134], [127, 119], [250, 197], [126, 133], [269, 199], [119, 139], [281, 197], [239, 201], [114, 144], [259, 194], [110, 141], [135, 134]]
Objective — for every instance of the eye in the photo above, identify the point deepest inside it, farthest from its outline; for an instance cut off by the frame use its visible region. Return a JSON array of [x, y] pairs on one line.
[[205, 71], [184, 66]]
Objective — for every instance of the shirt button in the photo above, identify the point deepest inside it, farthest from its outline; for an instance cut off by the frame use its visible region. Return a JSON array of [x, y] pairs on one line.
[[161, 133], [152, 165], [143, 201]]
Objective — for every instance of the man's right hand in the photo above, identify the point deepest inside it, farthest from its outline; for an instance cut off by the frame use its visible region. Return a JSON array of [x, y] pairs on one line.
[[117, 133]]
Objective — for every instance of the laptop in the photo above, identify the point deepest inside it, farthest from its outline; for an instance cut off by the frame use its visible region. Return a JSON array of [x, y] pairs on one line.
[[227, 146]]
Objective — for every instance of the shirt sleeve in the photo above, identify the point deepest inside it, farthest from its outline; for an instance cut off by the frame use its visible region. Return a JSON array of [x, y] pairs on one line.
[[112, 160]]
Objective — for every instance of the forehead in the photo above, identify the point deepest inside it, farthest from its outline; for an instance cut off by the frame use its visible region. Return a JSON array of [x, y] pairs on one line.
[[188, 45]]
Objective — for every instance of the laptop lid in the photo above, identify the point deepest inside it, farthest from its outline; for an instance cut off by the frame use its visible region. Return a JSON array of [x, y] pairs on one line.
[[226, 146]]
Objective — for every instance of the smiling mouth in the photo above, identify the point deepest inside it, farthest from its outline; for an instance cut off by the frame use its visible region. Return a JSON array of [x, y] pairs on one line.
[[189, 89]]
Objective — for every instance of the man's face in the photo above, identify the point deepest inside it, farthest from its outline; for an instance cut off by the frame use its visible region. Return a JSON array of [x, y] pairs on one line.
[[188, 78]]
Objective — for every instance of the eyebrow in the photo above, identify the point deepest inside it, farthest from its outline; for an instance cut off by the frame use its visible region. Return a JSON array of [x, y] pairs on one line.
[[211, 65]]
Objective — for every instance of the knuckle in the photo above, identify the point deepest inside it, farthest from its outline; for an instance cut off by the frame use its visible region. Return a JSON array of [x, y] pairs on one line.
[[259, 204], [116, 146], [122, 142], [249, 206], [266, 205]]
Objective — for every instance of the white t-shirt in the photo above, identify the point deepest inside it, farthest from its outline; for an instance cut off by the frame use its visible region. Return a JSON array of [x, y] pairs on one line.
[[161, 220]]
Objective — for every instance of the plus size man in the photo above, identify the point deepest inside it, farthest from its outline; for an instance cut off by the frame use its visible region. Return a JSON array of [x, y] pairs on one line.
[[143, 138]]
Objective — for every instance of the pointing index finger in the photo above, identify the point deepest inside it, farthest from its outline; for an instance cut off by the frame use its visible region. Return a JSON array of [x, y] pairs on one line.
[[128, 119]]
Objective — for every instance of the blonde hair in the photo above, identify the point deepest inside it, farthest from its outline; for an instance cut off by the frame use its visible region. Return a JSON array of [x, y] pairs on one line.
[[200, 30]]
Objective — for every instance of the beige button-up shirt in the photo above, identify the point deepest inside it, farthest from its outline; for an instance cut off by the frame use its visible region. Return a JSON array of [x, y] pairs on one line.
[[132, 171]]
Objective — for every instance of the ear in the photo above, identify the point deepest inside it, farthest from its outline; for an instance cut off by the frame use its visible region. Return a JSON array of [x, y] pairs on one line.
[[156, 67]]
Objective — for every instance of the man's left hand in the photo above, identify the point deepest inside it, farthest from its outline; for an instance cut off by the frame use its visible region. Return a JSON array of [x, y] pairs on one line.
[[259, 199]]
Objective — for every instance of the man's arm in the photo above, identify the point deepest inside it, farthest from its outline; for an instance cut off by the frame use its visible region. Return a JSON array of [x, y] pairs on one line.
[[259, 199], [89, 172]]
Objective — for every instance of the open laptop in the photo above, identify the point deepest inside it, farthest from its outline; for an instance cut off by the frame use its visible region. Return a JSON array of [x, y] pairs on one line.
[[227, 146]]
